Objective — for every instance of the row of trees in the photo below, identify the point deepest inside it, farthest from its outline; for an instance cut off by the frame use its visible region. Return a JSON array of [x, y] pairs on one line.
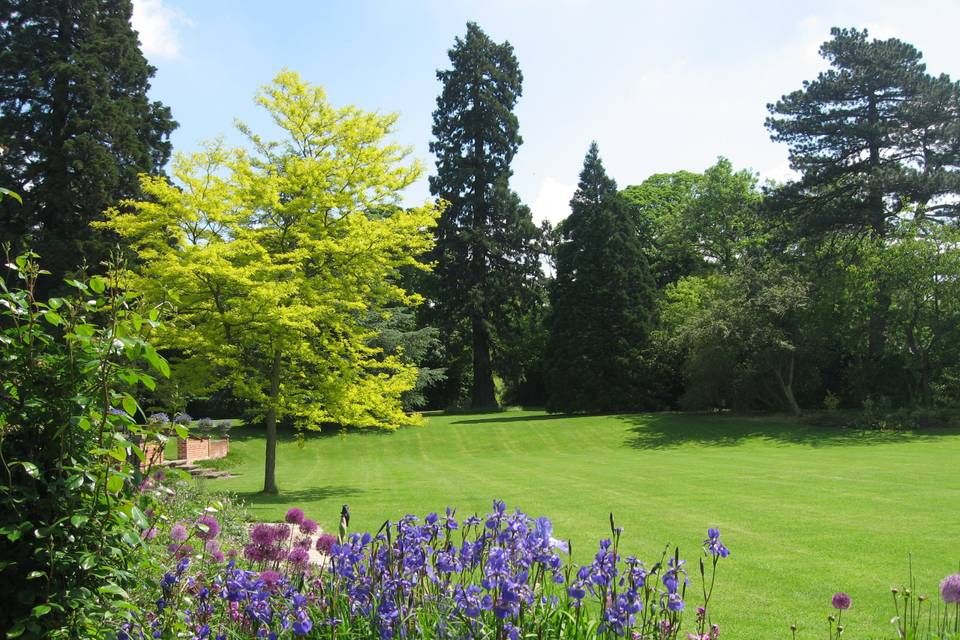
[[294, 271], [710, 290]]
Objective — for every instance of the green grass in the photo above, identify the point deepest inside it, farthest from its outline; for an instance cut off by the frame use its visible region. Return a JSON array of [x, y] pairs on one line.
[[806, 511]]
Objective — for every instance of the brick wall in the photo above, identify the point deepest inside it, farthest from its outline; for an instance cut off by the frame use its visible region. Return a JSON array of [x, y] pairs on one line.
[[152, 455], [201, 449]]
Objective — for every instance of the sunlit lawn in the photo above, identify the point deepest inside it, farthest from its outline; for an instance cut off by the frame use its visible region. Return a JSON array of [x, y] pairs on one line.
[[807, 511]]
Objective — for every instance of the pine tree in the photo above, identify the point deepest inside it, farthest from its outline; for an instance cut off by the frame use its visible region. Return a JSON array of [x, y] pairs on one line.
[[487, 249], [601, 302], [76, 126], [870, 136]]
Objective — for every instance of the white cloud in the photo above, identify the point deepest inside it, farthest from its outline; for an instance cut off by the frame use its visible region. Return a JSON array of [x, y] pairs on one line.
[[158, 26], [553, 201]]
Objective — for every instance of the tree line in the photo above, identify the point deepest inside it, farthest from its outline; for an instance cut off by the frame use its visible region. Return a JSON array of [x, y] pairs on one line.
[[304, 292], [709, 290]]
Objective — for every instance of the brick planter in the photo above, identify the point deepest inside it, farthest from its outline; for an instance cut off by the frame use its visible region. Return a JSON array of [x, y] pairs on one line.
[[191, 449], [152, 455]]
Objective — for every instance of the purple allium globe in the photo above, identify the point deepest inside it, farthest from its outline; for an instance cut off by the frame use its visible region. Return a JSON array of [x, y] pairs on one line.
[[950, 589], [304, 542], [841, 601], [294, 516], [298, 556], [281, 532], [308, 527], [149, 533], [262, 534], [217, 556], [182, 419], [208, 528], [270, 578], [178, 533], [325, 542]]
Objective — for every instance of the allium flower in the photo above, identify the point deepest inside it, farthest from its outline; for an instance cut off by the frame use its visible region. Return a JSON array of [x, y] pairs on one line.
[[303, 542], [217, 556], [158, 419], [841, 601], [149, 533], [325, 542], [950, 589], [280, 532], [262, 534], [270, 578], [183, 419], [208, 528], [294, 516], [298, 556], [178, 533], [308, 527]]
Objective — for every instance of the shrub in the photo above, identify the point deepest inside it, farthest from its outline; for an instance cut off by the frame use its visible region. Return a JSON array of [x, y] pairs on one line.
[[70, 512]]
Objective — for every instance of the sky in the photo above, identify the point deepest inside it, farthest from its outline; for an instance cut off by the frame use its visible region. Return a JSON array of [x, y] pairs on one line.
[[660, 85]]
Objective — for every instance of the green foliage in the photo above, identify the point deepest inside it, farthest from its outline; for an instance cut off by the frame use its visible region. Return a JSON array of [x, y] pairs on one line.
[[601, 303], [77, 124], [272, 261], [740, 332], [487, 249], [70, 515], [870, 136]]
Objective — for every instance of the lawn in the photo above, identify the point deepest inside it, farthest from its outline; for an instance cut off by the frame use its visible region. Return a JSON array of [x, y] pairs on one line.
[[806, 511]]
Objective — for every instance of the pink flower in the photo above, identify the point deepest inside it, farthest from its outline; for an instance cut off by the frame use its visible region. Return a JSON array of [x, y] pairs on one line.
[[294, 516], [950, 589], [841, 601], [325, 543], [149, 533], [178, 533], [208, 528], [262, 534], [298, 557]]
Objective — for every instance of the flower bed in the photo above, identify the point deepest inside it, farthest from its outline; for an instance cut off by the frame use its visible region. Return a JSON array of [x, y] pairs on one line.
[[503, 576]]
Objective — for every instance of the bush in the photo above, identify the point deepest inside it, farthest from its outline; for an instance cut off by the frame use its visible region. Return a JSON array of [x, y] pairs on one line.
[[70, 512]]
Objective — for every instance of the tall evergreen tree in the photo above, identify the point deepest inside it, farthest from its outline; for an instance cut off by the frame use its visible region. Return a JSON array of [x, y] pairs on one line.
[[487, 250], [601, 302], [870, 136], [76, 126]]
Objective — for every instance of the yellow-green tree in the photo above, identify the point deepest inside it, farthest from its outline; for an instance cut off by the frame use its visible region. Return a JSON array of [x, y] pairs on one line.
[[272, 257]]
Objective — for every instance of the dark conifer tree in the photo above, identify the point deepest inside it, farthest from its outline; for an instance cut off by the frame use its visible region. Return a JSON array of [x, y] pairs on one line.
[[76, 126], [487, 251], [600, 303], [871, 135]]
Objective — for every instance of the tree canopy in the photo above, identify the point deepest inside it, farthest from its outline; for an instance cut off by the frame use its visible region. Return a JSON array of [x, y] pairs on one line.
[[273, 258]]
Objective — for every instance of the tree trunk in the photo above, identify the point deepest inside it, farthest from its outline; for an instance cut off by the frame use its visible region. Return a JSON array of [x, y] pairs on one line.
[[484, 394], [270, 459], [786, 386]]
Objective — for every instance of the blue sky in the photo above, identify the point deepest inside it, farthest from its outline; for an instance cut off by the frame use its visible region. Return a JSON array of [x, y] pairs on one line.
[[660, 85]]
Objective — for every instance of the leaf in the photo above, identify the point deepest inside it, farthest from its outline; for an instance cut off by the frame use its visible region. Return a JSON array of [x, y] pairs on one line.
[[7, 193], [182, 431], [33, 575], [115, 483], [115, 590], [30, 468], [53, 318], [139, 518], [129, 404], [16, 631], [41, 610], [88, 562], [78, 520], [98, 284]]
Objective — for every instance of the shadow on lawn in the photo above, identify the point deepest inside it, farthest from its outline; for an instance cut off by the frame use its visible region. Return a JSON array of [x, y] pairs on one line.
[[301, 496], [664, 431]]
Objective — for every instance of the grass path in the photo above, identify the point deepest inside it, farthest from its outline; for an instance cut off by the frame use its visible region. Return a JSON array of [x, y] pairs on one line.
[[806, 511]]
